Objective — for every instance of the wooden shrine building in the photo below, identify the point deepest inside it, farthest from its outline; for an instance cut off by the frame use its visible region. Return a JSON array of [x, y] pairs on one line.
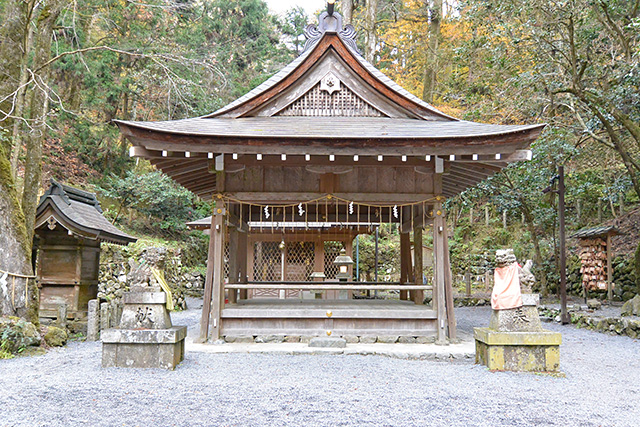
[[69, 228], [328, 138]]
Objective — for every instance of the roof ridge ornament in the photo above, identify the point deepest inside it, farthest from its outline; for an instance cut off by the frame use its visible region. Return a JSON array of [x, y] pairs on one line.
[[330, 23]]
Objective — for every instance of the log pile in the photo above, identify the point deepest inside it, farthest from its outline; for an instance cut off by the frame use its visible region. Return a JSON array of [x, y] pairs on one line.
[[593, 256]]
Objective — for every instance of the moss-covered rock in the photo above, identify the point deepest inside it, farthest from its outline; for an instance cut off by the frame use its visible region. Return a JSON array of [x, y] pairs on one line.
[[55, 337], [631, 307], [17, 334]]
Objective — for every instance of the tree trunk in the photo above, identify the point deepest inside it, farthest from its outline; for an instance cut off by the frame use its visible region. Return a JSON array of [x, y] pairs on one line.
[[38, 114], [15, 248], [18, 126], [370, 30], [431, 68], [347, 11]]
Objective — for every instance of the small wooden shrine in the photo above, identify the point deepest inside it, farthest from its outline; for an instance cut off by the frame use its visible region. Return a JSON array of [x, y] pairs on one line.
[[68, 230], [329, 138], [595, 258]]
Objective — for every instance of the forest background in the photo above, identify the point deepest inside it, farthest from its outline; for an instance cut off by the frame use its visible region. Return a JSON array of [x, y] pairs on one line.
[[67, 68]]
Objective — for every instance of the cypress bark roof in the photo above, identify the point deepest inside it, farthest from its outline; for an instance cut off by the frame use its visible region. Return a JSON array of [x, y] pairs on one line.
[[79, 212]]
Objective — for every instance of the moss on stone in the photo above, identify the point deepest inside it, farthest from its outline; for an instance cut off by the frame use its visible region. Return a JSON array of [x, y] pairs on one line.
[[55, 337]]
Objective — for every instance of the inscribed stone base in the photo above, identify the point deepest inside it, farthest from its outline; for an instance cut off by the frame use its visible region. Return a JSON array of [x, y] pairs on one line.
[[148, 348], [518, 351]]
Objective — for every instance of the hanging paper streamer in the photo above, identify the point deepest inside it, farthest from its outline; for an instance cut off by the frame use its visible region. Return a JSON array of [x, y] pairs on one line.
[[351, 208], [395, 211], [266, 212], [300, 210]]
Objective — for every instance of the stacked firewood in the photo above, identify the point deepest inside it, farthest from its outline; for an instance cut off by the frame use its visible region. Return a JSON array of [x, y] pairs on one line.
[[593, 255]]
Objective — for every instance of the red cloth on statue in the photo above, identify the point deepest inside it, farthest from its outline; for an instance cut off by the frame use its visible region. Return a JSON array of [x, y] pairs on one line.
[[506, 289]]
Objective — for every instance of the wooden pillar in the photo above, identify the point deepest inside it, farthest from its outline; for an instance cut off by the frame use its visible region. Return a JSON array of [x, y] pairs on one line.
[[486, 215], [417, 296], [318, 259], [206, 305], [405, 262], [448, 294], [234, 265], [217, 298], [243, 254], [439, 269], [348, 248]]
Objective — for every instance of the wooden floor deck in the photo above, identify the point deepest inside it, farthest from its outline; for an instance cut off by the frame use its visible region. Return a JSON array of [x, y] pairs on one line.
[[316, 317]]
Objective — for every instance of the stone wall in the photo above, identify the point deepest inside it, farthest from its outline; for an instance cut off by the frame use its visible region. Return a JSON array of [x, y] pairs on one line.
[[116, 262]]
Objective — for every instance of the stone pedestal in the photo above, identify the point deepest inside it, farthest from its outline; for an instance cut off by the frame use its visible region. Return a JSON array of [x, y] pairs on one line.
[[145, 337], [515, 340], [518, 351]]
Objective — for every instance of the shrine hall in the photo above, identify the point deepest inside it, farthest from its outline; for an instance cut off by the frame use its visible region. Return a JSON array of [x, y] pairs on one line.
[[328, 139]]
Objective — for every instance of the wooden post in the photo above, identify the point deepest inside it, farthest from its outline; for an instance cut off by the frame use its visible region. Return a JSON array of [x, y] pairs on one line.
[[234, 266], [318, 260], [451, 320], [405, 262], [467, 281], [417, 296], [621, 203], [439, 269], [486, 215], [487, 279], [243, 254], [348, 247], [578, 210], [504, 219], [471, 215], [217, 299], [609, 270], [208, 290]]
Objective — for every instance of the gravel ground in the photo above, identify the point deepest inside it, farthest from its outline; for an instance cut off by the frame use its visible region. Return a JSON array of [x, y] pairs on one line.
[[67, 387]]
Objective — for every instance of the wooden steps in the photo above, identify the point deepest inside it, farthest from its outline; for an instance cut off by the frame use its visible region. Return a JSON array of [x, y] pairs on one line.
[[316, 317]]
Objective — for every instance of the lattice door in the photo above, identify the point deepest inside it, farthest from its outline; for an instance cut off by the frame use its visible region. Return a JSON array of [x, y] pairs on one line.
[[300, 256], [331, 251], [266, 267]]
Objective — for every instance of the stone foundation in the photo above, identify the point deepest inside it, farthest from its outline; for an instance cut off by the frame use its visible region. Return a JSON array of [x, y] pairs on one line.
[[148, 348], [145, 338], [518, 351]]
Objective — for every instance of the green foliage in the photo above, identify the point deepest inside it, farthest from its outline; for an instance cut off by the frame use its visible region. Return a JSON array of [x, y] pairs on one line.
[[158, 201]]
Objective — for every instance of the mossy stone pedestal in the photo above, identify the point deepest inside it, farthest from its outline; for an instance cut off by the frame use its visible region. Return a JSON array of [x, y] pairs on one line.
[[145, 338], [518, 351], [515, 340]]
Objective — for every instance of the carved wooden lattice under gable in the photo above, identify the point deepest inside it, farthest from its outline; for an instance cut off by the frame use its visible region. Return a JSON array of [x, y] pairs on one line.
[[318, 102]]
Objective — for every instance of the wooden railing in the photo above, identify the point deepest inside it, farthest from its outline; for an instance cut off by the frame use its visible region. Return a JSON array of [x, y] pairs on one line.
[[330, 286]]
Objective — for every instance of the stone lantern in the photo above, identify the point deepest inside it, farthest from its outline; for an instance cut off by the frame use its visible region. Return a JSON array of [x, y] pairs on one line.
[[343, 261]]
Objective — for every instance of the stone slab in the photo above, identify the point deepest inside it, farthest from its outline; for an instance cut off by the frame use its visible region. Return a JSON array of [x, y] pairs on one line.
[[463, 352], [144, 298], [491, 337], [144, 336], [328, 342]]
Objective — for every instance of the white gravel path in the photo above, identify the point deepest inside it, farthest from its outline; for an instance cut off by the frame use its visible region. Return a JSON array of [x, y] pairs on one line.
[[67, 387]]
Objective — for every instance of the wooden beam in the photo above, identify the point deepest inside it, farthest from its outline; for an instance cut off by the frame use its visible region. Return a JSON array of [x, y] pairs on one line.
[[320, 286], [292, 197]]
